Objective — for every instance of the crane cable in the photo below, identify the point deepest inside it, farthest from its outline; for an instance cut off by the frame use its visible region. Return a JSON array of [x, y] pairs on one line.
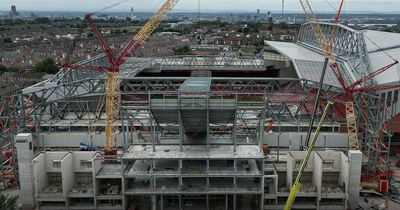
[[111, 6], [81, 27], [380, 49], [331, 6], [385, 52]]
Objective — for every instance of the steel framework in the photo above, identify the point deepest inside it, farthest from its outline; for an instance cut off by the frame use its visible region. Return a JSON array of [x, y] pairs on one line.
[[348, 46], [281, 99], [372, 135], [76, 92]]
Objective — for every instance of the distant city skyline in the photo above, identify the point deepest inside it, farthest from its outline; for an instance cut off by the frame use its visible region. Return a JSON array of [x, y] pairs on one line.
[[377, 6]]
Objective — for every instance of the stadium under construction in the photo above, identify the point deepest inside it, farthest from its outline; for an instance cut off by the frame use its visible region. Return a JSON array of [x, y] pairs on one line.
[[213, 132]]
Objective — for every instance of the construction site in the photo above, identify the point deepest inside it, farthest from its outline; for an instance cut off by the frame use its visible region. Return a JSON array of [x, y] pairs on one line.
[[307, 126]]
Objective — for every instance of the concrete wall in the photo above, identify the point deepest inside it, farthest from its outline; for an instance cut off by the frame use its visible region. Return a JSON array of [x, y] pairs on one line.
[[67, 174], [317, 173], [290, 167], [344, 172], [65, 139], [300, 155], [294, 139], [24, 146], [50, 157], [96, 167], [286, 139], [355, 157], [39, 173], [332, 155], [77, 157]]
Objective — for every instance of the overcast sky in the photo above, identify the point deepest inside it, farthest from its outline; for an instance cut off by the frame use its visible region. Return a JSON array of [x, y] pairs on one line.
[[206, 5]]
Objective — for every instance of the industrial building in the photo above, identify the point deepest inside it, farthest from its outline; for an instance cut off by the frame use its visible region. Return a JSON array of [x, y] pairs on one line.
[[207, 132]]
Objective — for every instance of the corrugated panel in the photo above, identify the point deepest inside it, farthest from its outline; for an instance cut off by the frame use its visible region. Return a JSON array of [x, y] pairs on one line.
[[380, 59], [294, 51], [311, 70], [384, 40]]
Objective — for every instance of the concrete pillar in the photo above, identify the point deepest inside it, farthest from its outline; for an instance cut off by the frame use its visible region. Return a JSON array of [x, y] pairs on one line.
[[180, 202], [234, 202], [153, 202], [355, 158], [226, 202], [162, 202], [24, 146]]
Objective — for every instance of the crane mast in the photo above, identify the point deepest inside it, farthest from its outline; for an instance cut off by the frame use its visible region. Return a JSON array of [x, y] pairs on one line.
[[314, 22], [146, 31], [327, 49], [112, 112], [327, 46], [310, 145], [112, 87]]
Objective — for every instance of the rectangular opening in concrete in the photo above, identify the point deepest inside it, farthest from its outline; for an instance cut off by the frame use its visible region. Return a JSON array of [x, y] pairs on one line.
[[194, 202], [194, 167], [194, 184], [269, 186], [169, 202], [139, 202], [249, 167], [282, 182], [138, 184], [168, 185], [248, 184], [109, 187], [83, 185], [246, 202], [221, 167], [221, 184], [166, 167], [137, 167]]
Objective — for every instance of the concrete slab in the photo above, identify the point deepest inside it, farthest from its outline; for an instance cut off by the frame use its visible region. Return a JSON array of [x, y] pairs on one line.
[[193, 152]]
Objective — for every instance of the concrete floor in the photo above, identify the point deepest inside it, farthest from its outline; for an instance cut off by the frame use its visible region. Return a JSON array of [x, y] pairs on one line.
[[378, 200]]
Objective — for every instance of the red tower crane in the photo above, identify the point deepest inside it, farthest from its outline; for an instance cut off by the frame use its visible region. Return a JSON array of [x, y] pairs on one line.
[[112, 83]]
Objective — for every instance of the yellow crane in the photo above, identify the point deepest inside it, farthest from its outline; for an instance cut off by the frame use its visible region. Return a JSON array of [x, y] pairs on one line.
[[297, 184], [329, 58], [113, 81], [326, 45]]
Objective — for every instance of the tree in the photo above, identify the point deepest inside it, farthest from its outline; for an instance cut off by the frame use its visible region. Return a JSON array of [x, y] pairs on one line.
[[7, 40], [42, 20], [183, 51], [8, 202], [47, 65], [3, 68], [13, 69], [283, 25]]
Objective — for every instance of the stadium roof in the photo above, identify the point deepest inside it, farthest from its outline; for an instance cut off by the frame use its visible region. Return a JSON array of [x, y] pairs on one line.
[[307, 63], [382, 48]]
